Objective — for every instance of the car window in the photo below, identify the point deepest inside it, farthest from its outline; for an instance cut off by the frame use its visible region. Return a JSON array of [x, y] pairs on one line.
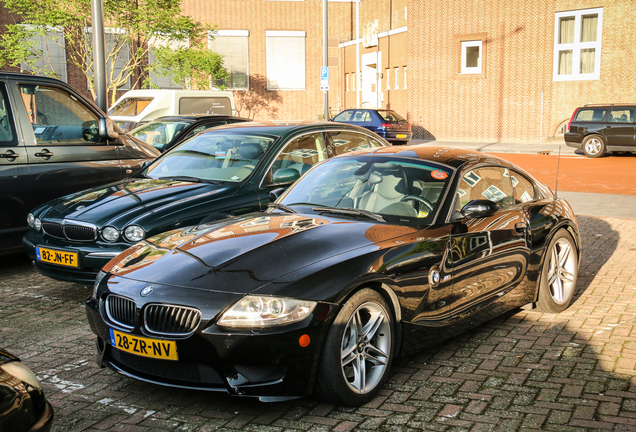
[[523, 188], [621, 115], [391, 116], [376, 142], [8, 137], [344, 116], [203, 127], [348, 141], [159, 133], [590, 114], [361, 116], [57, 117], [491, 183], [214, 156], [131, 106], [301, 153]]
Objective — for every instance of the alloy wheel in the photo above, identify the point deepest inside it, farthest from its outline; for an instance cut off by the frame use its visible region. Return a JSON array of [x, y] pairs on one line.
[[562, 271], [365, 348], [593, 146]]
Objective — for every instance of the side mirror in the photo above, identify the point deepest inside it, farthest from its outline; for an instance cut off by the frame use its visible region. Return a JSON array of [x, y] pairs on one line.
[[274, 194], [106, 129], [285, 175], [480, 209]]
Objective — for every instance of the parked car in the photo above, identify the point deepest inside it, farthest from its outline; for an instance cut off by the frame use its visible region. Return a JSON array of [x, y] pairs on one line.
[[136, 107], [23, 407], [368, 255], [54, 141], [387, 123], [166, 132], [599, 128], [228, 170]]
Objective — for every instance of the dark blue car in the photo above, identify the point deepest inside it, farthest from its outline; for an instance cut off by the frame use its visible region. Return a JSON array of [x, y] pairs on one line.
[[387, 123]]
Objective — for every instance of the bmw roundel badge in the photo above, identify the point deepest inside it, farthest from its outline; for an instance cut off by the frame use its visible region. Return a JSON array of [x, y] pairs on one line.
[[433, 277], [147, 290]]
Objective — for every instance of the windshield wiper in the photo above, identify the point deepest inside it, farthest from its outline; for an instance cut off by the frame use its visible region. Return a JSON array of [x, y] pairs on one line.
[[350, 212], [190, 179], [281, 207]]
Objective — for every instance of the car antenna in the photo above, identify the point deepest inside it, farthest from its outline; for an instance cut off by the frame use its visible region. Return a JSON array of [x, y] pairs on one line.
[[556, 184]]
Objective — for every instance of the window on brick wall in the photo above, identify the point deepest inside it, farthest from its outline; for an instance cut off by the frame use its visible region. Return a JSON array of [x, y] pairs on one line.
[[163, 82], [577, 44], [397, 78], [471, 57], [285, 51], [233, 46], [53, 51], [113, 41]]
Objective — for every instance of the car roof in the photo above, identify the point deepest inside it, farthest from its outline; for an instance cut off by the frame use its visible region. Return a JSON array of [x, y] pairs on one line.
[[274, 127], [196, 117], [453, 157]]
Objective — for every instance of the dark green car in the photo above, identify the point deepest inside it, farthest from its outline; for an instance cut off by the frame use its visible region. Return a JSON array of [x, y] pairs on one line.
[[226, 171]]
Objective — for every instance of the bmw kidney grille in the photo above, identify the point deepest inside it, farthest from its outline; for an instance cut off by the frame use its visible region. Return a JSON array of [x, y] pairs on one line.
[[121, 311], [169, 320]]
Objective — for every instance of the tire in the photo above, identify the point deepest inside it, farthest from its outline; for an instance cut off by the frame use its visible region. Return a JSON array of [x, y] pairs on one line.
[[358, 351], [558, 274], [594, 146]]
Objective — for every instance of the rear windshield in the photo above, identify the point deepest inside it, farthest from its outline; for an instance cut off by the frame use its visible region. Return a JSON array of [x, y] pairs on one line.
[[590, 114], [391, 116], [130, 106]]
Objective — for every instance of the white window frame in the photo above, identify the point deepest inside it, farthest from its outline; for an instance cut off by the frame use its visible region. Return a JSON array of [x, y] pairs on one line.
[[273, 67], [468, 44], [577, 46], [235, 33]]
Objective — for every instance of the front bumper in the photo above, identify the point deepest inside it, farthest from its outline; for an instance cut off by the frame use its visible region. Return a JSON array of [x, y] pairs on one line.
[[267, 364], [91, 258]]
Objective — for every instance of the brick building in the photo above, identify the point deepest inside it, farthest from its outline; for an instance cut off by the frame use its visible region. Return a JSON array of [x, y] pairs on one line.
[[487, 70]]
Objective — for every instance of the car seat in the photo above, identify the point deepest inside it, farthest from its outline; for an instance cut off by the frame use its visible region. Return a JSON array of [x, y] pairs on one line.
[[385, 198]]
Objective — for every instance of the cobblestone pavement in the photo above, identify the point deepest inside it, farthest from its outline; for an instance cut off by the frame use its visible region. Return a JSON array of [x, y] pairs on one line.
[[525, 370]]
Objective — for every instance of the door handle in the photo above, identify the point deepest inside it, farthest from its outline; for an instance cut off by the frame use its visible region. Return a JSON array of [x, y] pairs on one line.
[[10, 154], [44, 154], [520, 228]]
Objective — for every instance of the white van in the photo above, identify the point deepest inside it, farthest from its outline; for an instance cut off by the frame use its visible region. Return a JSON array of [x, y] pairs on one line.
[[136, 107]]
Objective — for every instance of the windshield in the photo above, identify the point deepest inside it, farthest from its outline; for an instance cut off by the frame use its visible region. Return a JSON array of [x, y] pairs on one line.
[[397, 190], [160, 133], [391, 116], [213, 156], [130, 106]]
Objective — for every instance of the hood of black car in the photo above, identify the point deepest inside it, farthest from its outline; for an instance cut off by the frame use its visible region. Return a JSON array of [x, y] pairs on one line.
[[130, 200], [243, 254]]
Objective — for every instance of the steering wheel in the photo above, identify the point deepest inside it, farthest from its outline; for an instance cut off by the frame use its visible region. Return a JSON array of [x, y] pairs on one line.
[[419, 199]]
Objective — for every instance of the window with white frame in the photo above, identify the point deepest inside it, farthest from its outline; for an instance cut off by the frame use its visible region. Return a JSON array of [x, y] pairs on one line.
[[397, 78], [52, 47], [285, 52], [163, 82], [577, 44], [471, 57], [233, 46], [112, 42]]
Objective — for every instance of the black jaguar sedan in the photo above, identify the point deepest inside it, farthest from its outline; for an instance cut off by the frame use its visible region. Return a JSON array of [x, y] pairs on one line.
[[228, 170], [369, 255]]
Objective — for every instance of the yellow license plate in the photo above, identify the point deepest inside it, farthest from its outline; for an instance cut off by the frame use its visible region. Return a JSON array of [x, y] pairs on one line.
[[63, 258], [146, 347], [401, 135]]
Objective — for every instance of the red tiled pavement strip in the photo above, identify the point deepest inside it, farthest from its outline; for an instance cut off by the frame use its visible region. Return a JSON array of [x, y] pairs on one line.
[[568, 372]]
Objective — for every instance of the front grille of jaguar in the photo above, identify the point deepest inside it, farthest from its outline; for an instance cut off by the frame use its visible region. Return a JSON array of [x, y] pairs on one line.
[[185, 373], [169, 320], [121, 311], [70, 230]]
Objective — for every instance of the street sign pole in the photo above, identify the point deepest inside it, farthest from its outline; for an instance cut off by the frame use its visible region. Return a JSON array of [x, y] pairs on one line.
[[325, 60]]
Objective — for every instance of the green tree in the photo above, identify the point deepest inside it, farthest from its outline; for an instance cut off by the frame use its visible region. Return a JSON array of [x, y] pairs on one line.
[[136, 27]]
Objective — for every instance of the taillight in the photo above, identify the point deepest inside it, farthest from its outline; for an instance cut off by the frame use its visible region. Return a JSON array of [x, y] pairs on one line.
[[572, 118], [386, 126]]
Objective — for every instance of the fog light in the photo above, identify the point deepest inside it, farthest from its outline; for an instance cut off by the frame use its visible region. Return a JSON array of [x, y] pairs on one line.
[[37, 224], [30, 219]]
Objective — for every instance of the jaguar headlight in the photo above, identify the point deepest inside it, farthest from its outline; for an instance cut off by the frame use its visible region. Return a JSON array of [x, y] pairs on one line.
[[110, 234], [30, 219], [21, 372], [134, 233], [98, 280], [262, 311]]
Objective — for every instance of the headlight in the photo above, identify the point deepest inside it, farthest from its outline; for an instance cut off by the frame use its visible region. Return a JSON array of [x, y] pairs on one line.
[[21, 372], [37, 224], [30, 219], [134, 233], [98, 280], [256, 311], [110, 234]]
